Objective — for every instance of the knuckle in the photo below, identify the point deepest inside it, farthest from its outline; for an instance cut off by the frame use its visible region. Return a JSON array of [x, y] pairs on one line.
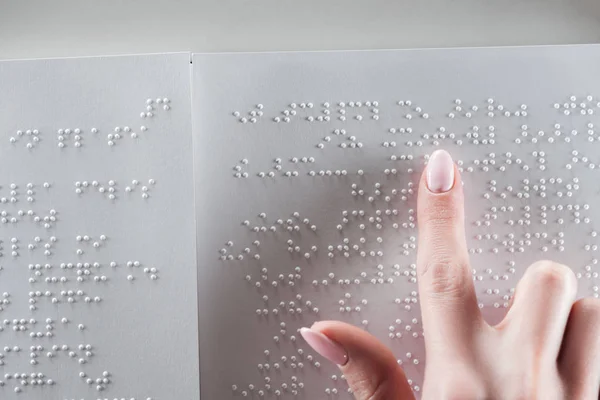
[[553, 276], [445, 278]]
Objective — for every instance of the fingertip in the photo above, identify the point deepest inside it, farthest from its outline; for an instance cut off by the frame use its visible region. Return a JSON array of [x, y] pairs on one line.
[[440, 206], [439, 174], [370, 369], [325, 346]]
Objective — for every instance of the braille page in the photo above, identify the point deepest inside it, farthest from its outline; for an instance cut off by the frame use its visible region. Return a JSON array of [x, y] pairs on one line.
[[97, 262], [308, 165]]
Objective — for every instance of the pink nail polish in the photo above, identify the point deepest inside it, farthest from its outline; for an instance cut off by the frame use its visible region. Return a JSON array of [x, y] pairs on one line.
[[440, 172], [325, 346]]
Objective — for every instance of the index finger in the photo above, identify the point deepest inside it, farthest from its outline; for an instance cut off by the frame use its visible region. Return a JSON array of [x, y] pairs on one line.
[[447, 294]]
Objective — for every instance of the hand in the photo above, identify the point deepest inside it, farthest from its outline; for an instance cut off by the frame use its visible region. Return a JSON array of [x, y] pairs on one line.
[[547, 347]]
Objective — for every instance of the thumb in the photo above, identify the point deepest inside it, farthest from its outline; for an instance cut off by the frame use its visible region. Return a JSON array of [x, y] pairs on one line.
[[369, 366]]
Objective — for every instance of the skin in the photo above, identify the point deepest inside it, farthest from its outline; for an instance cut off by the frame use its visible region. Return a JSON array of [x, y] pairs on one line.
[[547, 347]]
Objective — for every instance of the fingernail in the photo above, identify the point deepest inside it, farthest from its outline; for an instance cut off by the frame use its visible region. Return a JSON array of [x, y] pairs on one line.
[[440, 172], [325, 346]]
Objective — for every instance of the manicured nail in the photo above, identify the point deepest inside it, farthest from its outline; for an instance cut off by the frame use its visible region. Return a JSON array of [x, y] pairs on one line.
[[440, 172], [325, 346]]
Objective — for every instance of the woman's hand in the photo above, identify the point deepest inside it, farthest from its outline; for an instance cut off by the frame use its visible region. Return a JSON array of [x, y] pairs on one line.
[[547, 347]]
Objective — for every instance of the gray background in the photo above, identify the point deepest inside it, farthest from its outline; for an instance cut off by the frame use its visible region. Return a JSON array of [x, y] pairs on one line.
[[34, 28]]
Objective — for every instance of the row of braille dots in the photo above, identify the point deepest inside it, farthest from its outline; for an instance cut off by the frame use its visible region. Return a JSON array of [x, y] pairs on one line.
[[15, 246], [283, 328], [372, 105], [112, 138], [379, 277], [14, 194], [84, 270], [485, 164], [4, 302], [534, 138], [360, 172], [241, 173], [64, 320], [70, 296], [293, 388], [346, 246], [294, 160], [577, 158], [288, 280], [223, 252], [85, 239], [511, 244], [22, 326], [32, 379], [353, 143], [253, 115], [378, 192], [291, 111], [80, 187], [150, 272], [477, 137], [101, 383], [491, 107], [435, 138], [364, 276], [585, 106], [409, 300], [375, 221], [503, 299], [47, 246], [412, 108], [47, 220], [145, 189], [152, 105], [346, 304], [291, 307], [239, 169], [291, 224], [55, 348], [538, 189], [473, 135], [64, 134], [33, 135], [295, 362], [394, 331], [493, 215], [294, 248]]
